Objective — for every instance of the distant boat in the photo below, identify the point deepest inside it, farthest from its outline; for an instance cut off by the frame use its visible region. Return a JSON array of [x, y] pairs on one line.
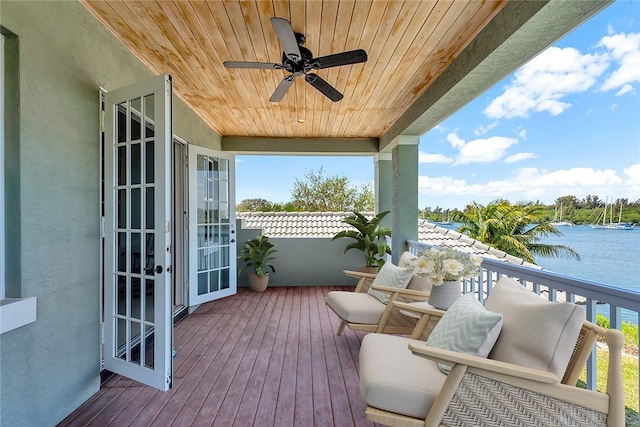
[[557, 219], [613, 225]]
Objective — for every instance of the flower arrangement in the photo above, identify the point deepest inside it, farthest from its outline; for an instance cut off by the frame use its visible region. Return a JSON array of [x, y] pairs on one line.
[[442, 264]]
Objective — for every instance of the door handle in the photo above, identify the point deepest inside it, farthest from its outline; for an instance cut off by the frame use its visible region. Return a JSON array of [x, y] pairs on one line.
[[150, 271]]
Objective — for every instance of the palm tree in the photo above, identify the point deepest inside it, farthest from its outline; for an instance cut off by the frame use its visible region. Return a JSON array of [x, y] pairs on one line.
[[515, 229]]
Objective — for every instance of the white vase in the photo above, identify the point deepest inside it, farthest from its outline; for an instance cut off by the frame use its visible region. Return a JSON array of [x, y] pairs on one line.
[[444, 295]]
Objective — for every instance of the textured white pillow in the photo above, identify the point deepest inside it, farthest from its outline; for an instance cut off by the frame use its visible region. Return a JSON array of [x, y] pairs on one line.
[[535, 333], [466, 328], [392, 276]]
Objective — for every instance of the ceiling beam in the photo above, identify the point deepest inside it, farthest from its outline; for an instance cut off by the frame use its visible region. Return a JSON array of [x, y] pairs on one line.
[[520, 31], [300, 146]]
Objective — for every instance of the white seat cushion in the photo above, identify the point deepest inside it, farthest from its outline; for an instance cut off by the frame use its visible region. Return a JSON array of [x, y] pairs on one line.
[[355, 307], [394, 379], [535, 333]]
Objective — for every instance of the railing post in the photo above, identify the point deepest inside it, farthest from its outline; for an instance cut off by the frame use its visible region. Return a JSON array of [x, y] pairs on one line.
[[592, 361]]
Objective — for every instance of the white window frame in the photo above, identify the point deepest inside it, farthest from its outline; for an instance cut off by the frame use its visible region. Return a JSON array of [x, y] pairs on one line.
[[14, 312], [2, 248]]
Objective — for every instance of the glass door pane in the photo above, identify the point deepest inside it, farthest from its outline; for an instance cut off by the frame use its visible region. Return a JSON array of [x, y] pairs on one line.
[[212, 228]]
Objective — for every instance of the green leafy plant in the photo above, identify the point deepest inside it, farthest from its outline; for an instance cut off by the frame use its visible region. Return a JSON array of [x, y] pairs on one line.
[[369, 237], [257, 254]]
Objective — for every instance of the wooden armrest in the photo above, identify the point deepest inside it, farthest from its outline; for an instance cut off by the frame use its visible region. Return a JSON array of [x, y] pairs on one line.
[[419, 309], [359, 274], [401, 291], [452, 358]]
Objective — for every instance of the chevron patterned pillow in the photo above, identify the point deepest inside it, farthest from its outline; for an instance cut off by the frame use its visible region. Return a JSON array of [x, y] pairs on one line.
[[392, 276], [467, 327]]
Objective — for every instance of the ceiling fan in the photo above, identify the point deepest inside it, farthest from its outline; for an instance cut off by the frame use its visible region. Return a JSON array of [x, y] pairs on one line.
[[298, 60]]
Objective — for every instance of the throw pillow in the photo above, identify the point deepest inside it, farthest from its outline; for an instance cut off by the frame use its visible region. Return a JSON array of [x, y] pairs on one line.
[[467, 327], [536, 333], [392, 276]]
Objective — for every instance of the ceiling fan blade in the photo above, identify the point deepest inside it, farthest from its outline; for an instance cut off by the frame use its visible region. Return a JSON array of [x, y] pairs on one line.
[[282, 88], [287, 38], [324, 87], [337, 59], [242, 64]]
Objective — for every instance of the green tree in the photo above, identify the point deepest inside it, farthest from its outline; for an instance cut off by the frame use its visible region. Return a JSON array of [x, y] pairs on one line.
[[513, 228], [254, 205], [566, 206], [320, 193]]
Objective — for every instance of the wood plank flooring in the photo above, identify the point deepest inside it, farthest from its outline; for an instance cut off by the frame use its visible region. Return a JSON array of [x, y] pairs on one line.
[[253, 359]]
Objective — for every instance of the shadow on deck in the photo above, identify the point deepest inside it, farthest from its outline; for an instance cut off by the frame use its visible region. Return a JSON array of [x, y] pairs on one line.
[[264, 359]]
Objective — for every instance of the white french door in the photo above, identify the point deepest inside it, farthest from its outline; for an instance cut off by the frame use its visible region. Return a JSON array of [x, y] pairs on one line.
[[212, 231], [137, 269]]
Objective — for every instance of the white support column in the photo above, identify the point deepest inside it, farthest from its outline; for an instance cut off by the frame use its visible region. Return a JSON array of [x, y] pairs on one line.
[[404, 193]]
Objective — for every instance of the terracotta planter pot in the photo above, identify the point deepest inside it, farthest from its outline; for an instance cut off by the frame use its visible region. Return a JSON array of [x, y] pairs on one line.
[[257, 283], [372, 270]]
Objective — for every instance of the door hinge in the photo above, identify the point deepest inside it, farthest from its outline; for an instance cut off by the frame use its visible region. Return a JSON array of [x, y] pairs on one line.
[[102, 232]]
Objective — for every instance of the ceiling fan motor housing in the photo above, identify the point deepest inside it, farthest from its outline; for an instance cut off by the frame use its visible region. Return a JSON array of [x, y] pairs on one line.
[[303, 65]]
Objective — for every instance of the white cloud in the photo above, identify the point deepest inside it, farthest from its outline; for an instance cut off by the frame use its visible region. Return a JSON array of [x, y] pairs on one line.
[[542, 83], [455, 140], [480, 150], [625, 89], [519, 157], [633, 172], [522, 133], [613, 107], [625, 50], [537, 184], [433, 158], [484, 129]]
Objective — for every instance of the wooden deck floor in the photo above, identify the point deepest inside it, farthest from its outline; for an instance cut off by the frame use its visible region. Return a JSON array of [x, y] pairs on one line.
[[263, 359]]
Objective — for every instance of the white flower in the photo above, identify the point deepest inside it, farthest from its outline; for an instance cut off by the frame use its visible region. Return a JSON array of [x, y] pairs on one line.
[[452, 266], [475, 259], [439, 264]]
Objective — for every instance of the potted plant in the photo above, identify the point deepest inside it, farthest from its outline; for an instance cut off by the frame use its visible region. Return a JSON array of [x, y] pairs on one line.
[[257, 254], [369, 239], [445, 267]]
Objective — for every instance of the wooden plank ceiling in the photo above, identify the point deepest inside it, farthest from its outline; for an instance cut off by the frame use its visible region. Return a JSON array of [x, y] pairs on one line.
[[409, 43]]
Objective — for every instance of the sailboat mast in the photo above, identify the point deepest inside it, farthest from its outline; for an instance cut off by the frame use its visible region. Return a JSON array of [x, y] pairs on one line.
[[620, 213]]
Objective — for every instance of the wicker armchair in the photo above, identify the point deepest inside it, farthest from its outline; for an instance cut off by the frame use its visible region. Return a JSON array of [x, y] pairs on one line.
[[360, 311], [402, 385]]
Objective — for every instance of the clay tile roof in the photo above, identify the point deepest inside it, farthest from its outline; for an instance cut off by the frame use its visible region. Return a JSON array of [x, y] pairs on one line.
[[296, 224], [327, 224]]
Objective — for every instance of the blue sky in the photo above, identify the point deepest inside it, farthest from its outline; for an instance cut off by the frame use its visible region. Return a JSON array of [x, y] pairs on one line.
[[567, 122]]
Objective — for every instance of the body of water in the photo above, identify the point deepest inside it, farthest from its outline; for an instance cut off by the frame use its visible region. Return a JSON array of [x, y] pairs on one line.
[[609, 257]]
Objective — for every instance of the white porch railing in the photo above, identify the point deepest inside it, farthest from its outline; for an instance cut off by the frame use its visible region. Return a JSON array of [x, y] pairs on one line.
[[557, 287]]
